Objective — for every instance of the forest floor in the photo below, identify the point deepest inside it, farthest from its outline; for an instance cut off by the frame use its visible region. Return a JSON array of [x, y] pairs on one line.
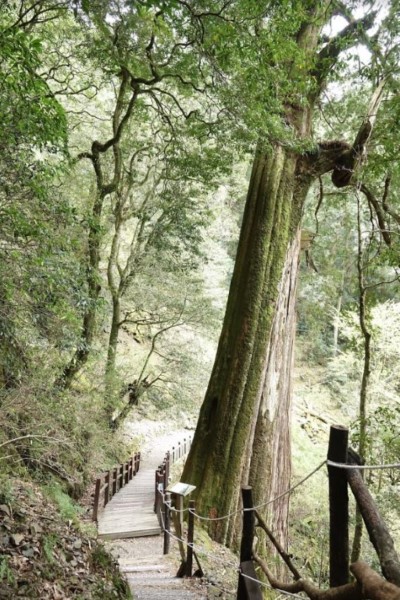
[[45, 556]]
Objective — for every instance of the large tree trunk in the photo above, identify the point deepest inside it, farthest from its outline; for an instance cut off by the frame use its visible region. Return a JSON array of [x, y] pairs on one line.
[[270, 453], [245, 415], [243, 429]]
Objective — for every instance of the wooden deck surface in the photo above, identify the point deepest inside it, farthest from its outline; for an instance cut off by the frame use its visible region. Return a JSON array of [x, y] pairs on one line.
[[130, 513]]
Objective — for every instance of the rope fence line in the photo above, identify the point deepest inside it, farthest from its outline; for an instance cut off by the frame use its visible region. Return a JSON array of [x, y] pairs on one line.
[[241, 510], [269, 587], [195, 547], [331, 463]]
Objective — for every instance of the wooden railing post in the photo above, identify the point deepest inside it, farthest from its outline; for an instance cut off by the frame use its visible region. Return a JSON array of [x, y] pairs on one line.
[[190, 539], [167, 467], [107, 493], [155, 491], [167, 525], [126, 474], [114, 481], [338, 508], [246, 546], [137, 463], [158, 498], [96, 499]]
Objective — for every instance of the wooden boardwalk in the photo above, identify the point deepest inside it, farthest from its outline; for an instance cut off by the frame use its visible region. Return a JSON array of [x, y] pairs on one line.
[[130, 513]]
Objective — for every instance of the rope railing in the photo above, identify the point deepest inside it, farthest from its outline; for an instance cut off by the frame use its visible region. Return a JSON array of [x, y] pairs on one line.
[[384, 467], [250, 587], [214, 558], [254, 508]]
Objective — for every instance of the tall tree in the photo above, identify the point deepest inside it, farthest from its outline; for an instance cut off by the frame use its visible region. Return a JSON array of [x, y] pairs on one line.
[[149, 58], [243, 431]]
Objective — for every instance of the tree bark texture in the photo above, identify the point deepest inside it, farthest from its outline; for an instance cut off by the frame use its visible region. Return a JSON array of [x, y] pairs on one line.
[[243, 430]]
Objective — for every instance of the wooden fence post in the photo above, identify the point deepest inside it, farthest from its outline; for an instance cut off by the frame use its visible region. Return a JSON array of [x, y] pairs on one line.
[[96, 499], [158, 499], [138, 462], [108, 493], [189, 555], [126, 472], [338, 508], [114, 481], [167, 525], [167, 468], [246, 546], [155, 491]]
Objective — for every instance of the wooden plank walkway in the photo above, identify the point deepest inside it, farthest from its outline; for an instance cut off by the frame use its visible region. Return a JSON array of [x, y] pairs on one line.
[[130, 513]]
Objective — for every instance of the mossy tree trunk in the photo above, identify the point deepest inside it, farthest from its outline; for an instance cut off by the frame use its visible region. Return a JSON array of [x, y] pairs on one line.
[[244, 418], [242, 435]]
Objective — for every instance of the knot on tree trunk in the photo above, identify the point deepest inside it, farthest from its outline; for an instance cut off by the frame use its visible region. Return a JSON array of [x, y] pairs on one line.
[[332, 155]]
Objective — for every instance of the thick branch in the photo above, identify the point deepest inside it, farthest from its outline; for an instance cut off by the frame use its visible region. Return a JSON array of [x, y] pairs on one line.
[[342, 41], [376, 527], [350, 591], [284, 555], [372, 585], [373, 201]]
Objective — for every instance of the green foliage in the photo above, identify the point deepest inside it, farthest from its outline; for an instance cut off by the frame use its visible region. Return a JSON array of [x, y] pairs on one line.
[[30, 114], [66, 507], [49, 542], [6, 573]]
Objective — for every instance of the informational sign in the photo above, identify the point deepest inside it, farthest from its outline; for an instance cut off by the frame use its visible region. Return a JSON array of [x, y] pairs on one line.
[[181, 489]]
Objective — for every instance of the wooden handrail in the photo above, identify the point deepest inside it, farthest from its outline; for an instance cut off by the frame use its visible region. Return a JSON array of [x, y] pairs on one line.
[[110, 482]]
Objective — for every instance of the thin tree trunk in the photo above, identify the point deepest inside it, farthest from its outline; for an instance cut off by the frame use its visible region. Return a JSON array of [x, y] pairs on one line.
[[81, 354], [362, 308], [113, 337], [120, 119], [338, 308]]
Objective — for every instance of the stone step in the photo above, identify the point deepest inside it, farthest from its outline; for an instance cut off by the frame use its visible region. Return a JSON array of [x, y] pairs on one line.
[[142, 568]]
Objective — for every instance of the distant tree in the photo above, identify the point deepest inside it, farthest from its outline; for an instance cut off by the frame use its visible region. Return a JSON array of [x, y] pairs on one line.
[[150, 62]]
